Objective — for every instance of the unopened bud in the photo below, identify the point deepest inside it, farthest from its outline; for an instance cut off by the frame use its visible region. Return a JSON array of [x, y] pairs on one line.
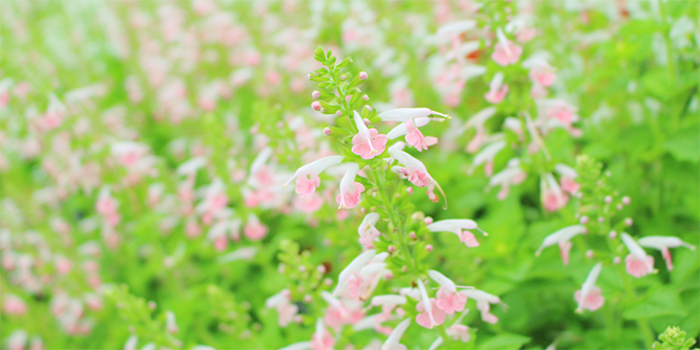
[[348, 98], [412, 235], [608, 199], [612, 234], [626, 200], [428, 220], [316, 94], [628, 222], [589, 254], [343, 77], [365, 97], [392, 249], [429, 248], [584, 220], [316, 105], [327, 131], [366, 121], [363, 75], [307, 298], [616, 260]]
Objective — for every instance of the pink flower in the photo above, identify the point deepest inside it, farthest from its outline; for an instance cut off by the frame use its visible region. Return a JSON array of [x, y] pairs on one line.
[[637, 263], [307, 176], [285, 309], [429, 314], [459, 227], [430, 318], [662, 243], [322, 339], [392, 342], [552, 197], [416, 139], [367, 143], [14, 305], [483, 302], [254, 230], [589, 297], [562, 238], [359, 279], [506, 52], [459, 332], [368, 233], [448, 298], [340, 313], [416, 173], [498, 90], [349, 189], [594, 300], [543, 75]]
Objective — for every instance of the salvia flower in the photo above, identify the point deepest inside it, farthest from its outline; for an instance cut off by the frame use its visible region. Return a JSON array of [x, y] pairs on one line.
[[368, 233], [392, 342], [307, 176], [460, 227], [589, 297], [637, 262], [448, 299], [429, 314], [486, 157], [322, 339], [506, 52], [285, 309], [552, 196], [562, 238], [497, 90], [483, 303], [416, 172], [662, 243], [349, 189], [367, 143]]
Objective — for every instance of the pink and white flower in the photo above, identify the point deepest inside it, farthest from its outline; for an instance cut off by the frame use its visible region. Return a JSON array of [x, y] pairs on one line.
[[589, 297], [637, 263], [416, 172], [350, 190], [506, 52], [562, 238], [552, 196], [367, 143], [368, 233], [308, 175], [662, 243], [285, 309], [483, 303], [430, 315], [392, 342], [497, 90], [460, 227], [448, 299]]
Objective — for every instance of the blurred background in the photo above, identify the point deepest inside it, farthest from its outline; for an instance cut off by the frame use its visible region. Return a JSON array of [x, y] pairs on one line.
[[137, 195]]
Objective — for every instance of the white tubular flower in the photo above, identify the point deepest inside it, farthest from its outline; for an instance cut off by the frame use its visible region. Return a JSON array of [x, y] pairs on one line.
[[307, 176], [637, 263], [417, 173], [589, 297], [392, 342], [405, 114], [355, 266], [662, 243], [460, 227], [562, 237]]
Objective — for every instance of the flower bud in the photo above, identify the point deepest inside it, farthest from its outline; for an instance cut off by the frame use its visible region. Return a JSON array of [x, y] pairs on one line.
[[363, 75], [343, 77], [392, 249], [412, 235], [316, 105], [307, 298], [428, 220], [616, 260], [626, 200], [365, 97], [429, 248], [584, 220], [589, 254], [327, 131], [316, 94], [619, 207], [348, 98], [612, 234], [608, 199], [628, 222]]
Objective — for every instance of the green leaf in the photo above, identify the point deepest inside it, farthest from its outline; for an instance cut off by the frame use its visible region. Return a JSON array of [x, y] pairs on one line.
[[504, 341], [659, 302], [684, 145]]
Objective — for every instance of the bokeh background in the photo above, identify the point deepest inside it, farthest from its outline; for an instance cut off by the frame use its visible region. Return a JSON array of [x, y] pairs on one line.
[[168, 103]]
